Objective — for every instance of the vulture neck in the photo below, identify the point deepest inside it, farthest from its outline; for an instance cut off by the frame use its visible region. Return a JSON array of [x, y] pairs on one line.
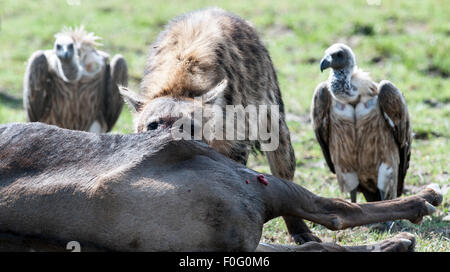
[[69, 70], [340, 81]]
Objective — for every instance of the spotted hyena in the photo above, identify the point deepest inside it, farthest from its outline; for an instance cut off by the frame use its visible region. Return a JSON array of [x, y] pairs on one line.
[[218, 57]]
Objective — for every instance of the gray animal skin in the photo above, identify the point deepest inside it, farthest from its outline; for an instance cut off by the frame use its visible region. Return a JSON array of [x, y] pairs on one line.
[[148, 192]]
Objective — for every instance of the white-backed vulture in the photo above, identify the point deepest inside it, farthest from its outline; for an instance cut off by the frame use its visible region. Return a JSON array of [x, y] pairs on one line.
[[73, 85], [362, 127]]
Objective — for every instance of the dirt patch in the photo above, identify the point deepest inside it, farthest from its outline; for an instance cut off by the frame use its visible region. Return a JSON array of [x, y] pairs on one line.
[[299, 118], [415, 189], [415, 27], [412, 189], [277, 30], [353, 41]]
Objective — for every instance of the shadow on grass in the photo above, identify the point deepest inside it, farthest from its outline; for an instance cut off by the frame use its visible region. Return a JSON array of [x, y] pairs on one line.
[[10, 101], [434, 224]]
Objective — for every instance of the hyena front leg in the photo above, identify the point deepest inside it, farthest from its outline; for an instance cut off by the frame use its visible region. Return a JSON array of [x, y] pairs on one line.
[[282, 164]]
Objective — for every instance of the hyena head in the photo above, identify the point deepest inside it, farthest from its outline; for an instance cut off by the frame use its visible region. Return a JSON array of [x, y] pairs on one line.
[[184, 114]]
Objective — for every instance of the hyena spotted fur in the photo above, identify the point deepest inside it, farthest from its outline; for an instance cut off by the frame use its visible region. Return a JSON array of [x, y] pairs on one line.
[[190, 58]]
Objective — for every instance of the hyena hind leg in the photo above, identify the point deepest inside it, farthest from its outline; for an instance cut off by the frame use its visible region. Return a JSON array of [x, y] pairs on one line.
[[282, 165]]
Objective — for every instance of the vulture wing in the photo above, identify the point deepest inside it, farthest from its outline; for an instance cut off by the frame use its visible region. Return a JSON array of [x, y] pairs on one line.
[[394, 109], [117, 74], [320, 116], [35, 94]]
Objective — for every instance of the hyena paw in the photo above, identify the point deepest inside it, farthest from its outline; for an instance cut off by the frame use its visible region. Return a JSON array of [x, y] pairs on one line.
[[302, 238]]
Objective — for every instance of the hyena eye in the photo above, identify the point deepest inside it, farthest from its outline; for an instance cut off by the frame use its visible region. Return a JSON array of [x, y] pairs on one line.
[[152, 126]]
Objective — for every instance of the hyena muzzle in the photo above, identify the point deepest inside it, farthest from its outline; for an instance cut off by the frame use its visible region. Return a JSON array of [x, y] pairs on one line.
[[212, 59]]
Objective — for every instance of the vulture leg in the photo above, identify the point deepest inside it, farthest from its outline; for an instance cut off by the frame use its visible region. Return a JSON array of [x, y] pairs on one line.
[[370, 196], [353, 195], [387, 186], [382, 193], [388, 224], [113, 99], [402, 242]]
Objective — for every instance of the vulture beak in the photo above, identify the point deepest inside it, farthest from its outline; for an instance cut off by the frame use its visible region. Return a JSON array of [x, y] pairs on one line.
[[325, 63], [64, 54]]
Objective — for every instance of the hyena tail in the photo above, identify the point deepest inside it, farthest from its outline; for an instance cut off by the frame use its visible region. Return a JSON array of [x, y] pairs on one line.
[[282, 159], [282, 164]]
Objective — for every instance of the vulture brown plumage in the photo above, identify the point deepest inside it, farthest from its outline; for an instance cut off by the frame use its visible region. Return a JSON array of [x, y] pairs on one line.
[[363, 128], [74, 85]]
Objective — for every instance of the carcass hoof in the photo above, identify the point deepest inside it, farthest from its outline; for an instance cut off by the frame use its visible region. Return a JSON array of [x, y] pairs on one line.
[[402, 242], [302, 238], [432, 194]]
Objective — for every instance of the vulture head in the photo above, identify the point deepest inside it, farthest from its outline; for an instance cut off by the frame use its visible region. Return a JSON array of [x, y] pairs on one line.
[[67, 61], [76, 54], [340, 58], [65, 49]]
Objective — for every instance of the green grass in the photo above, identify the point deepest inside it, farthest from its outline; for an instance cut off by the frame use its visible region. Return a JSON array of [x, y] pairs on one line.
[[407, 42]]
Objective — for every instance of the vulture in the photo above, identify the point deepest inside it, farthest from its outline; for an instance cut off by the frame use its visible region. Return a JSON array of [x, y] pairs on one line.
[[363, 128], [74, 85]]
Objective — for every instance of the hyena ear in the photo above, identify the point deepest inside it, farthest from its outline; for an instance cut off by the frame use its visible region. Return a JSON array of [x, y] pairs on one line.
[[214, 93], [134, 100]]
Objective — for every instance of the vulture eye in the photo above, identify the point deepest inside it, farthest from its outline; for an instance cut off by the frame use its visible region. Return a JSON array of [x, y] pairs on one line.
[[152, 126]]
